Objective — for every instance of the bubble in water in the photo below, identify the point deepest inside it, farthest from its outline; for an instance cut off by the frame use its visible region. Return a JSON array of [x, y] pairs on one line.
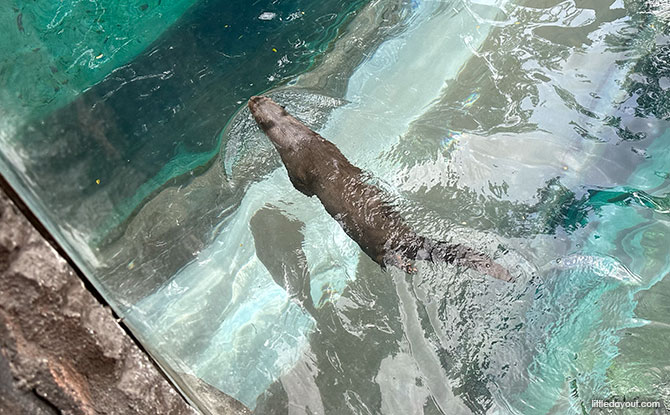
[[267, 16]]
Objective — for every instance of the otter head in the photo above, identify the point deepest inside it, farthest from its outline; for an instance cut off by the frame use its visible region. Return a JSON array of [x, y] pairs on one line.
[[290, 137], [282, 129], [265, 111]]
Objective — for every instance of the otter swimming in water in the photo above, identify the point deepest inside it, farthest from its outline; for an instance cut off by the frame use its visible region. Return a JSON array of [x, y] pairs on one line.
[[317, 168]]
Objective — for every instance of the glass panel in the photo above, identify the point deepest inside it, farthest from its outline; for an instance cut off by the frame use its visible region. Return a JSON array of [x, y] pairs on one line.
[[536, 132]]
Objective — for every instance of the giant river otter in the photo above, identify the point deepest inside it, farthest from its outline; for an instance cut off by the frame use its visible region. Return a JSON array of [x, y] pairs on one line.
[[317, 168]]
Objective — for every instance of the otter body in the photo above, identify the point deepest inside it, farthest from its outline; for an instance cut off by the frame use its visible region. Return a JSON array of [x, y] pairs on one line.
[[317, 168]]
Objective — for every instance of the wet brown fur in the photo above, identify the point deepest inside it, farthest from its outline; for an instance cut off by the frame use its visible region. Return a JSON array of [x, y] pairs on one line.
[[317, 168]]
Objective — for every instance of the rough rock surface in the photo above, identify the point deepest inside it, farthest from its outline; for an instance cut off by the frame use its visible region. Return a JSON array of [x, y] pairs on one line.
[[61, 351]]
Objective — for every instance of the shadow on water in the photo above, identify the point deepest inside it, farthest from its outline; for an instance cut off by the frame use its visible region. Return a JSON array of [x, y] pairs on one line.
[[278, 242]]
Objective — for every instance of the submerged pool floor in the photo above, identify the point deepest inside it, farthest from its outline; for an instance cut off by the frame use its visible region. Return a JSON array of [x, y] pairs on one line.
[[536, 133]]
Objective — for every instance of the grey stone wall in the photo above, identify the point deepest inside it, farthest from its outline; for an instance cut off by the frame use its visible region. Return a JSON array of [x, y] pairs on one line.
[[61, 351]]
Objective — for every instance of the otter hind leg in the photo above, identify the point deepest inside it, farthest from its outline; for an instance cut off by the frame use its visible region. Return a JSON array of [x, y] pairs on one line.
[[397, 260], [462, 255]]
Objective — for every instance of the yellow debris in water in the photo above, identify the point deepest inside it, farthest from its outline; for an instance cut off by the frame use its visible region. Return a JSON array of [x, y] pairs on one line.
[[99, 56], [97, 181], [274, 50]]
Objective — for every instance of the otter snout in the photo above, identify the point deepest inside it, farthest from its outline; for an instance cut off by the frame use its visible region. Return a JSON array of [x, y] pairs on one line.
[[256, 101], [263, 108], [265, 111], [282, 129]]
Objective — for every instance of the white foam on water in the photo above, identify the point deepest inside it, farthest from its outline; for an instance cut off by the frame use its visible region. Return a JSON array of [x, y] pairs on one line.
[[267, 16]]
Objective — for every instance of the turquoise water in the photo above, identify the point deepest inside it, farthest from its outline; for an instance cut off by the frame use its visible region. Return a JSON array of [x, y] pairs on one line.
[[536, 132]]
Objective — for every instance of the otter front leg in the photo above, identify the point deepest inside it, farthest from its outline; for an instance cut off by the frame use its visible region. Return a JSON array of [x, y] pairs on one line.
[[299, 185]]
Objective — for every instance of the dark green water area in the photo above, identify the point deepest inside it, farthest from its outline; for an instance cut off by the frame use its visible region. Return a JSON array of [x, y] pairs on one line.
[[160, 115]]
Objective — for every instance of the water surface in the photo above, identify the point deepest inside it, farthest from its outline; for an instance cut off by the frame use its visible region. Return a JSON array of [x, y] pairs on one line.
[[534, 131]]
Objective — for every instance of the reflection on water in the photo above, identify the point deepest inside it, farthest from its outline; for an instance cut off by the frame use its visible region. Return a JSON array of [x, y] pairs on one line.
[[534, 131]]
